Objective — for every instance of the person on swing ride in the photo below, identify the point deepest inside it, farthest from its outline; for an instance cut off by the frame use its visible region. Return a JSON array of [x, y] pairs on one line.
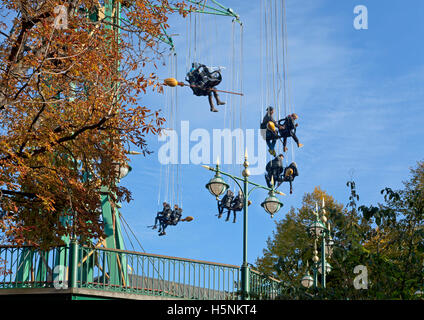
[[202, 81], [161, 214], [236, 205], [225, 203], [164, 220], [271, 126], [274, 170], [288, 129], [290, 173], [176, 215], [173, 219]]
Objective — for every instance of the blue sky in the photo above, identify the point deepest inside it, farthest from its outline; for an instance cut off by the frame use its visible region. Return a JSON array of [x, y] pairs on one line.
[[359, 97]]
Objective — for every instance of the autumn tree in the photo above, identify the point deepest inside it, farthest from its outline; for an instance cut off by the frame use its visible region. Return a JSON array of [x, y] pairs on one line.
[[396, 247], [289, 249], [388, 239], [71, 108]]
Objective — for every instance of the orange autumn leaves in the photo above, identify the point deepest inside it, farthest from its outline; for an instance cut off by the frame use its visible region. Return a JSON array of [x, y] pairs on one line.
[[69, 110]]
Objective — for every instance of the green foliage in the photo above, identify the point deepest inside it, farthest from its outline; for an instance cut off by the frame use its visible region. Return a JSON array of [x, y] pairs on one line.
[[387, 238]]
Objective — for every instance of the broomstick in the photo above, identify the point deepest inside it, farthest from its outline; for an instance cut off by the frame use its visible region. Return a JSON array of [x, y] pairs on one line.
[[172, 82], [188, 219]]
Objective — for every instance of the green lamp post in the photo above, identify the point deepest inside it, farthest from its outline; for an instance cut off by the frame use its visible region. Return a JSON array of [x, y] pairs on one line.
[[217, 187], [317, 230]]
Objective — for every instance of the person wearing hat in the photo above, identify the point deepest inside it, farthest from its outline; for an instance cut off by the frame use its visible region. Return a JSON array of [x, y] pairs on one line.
[[203, 83], [274, 170], [271, 127], [290, 173], [288, 129]]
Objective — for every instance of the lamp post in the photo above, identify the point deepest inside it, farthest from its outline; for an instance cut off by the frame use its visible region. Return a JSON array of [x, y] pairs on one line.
[[122, 169], [318, 229], [307, 281], [217, 187]]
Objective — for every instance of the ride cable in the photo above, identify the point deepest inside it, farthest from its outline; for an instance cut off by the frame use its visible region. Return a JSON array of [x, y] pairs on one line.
[[274, 63], [197, 29]]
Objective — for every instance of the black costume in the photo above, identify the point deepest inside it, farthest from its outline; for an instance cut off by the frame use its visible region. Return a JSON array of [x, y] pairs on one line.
[[225, 203], [203, 83], [270, 136], [160, 215], [274, 169], [176, 216], [164, 220], [171, 218], [290, 177], [236, 205], [288, 130]]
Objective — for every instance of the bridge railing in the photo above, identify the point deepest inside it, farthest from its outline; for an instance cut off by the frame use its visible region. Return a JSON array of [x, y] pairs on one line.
[[24, 267], [150, 274], [263, 287], [127, 272], [119, 271]]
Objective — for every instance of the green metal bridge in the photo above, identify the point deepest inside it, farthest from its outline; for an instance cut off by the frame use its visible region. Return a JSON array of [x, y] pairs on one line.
[[81, 272]]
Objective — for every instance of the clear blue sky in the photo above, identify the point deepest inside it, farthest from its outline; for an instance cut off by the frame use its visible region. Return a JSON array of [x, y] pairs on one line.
[[359, 97]]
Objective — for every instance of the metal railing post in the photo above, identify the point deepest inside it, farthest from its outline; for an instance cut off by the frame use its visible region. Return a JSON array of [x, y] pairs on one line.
[[73, 263]]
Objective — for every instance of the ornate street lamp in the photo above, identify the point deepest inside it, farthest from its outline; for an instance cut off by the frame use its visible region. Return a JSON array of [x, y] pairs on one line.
[[122, 170], [271, 204], [307, 280], [316, 229], [328, 268], [217, 186], [329, 246]]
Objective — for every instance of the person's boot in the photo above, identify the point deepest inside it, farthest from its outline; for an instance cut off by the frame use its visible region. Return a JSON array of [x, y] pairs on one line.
[[218, 101], [162, 233], [268, 181], [211, 104], [300, 145], [154, 227], [286, 149]]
